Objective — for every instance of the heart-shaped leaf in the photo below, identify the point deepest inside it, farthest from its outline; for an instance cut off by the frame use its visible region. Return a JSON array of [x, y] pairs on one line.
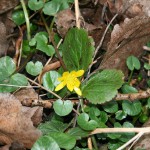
[[64, 140], [45, 143], [77, 50], [35, 4], [7, 67], [133, 63], [132, 108], [50, 79], [62, 108], [103, 86], [18, 17], [84, 123], [111, 107], [34, 68]]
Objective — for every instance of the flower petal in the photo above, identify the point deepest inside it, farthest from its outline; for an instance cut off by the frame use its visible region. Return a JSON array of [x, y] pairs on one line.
[[76, 82], [79, 73], [65, 74], [78, 91], [60, 86], [70, 87]]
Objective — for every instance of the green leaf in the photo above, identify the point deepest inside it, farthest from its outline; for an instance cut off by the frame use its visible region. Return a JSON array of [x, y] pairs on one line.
[[120, 115], [41, 42], [132, 108], [35, 4], [52, 127], [62, 108], [84, 123], [113, 145], [54, 6], [111, 107], [34, 68], [128, 89], [133, 63], [16, 80], [78, 133], [103, 86], [103, 117], [45, 143], [50, 80], [147, 66], [7, 67], [18, 17], [77, 50], [64, 140]]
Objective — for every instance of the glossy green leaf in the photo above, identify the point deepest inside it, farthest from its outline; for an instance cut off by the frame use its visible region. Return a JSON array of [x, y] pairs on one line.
[[78, 133], [62, 108], [16, 80], [120, 115], [77, 50], [35, 4], [18, 17], [54, 6], [7, 67], [50, 80], [34, 68], [45, 143], [64, 140], [132, 108], [84, 122], [52, 127], [103, 117], [103, 86], [147, 66], [111, 107], [128, 89], [133, 63], [40, 40]]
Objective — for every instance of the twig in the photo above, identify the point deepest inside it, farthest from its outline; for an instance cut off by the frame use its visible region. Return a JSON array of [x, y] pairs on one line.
[[133, 96], [131, 140], [89, 143], [44, 88], [120, 130], [77, 13]]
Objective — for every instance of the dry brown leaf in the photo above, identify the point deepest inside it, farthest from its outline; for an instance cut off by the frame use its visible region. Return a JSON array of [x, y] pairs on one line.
[[15, 122], [126, 39]]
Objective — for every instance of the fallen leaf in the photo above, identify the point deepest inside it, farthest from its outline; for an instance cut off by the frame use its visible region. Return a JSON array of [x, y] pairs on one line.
[[15, 122]]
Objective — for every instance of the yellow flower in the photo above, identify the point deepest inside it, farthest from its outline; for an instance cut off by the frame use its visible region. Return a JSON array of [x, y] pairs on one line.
[[71, 81]]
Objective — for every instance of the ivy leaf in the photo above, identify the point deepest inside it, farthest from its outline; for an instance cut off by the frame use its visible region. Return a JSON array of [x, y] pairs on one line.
[[132, 108], [45, 143], [35, 4], [18, 17], [62, 108], [84, 123], [102, 86], [16, 80], [64, 140], [34, 69], [133, 63], [54, 6], [7, 67], [77, 50], [78, 133], [41, 42], [50, 80], [111, 107]]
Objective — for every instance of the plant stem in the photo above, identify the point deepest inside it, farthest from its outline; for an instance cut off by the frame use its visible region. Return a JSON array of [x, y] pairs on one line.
[[27, 19], [130, 77], [94, 143]]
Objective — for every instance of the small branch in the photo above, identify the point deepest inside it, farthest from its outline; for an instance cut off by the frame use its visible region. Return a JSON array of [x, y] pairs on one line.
[[131, 140], [89, 141], [133, 96], [120, 130], [77, 13]]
